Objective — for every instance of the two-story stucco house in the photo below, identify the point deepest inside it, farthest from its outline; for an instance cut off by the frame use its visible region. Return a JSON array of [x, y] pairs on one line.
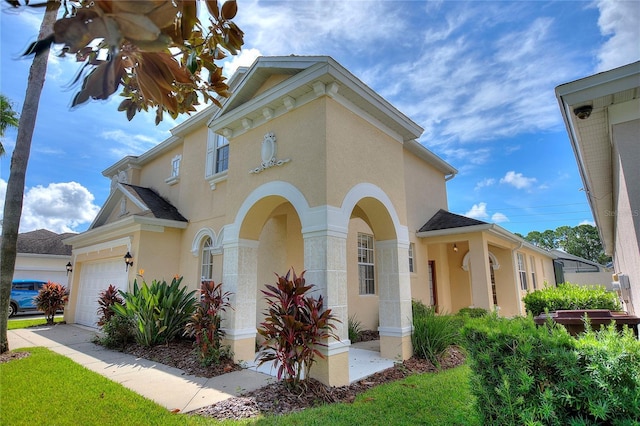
[[305, 167]]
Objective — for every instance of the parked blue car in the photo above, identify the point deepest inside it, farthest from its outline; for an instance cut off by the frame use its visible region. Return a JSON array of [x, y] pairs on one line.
[[22, 294]]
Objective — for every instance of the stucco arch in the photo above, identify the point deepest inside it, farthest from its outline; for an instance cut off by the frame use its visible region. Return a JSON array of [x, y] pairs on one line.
[[199, 237], [265, 198], [495, 264], [379, 209]]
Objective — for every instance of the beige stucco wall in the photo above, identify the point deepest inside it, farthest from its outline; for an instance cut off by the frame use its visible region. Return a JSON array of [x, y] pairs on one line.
[[626, 171]]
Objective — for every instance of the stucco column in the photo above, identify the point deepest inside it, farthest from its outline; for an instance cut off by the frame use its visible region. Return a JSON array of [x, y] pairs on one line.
[[481, 294], [325, 261], [394, 291], [240, 277]]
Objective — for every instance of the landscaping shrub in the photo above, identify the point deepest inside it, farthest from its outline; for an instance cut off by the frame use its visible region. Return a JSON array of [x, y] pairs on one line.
[[205, 322], [117, 332], [355, 329], [528, 375], [569, 296], [295, 324], [50, 299], [433, 333], [106, 299], [473, 312], [159, 312]]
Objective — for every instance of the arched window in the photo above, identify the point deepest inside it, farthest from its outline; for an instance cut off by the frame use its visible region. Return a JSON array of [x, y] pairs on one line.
[[207, 260]]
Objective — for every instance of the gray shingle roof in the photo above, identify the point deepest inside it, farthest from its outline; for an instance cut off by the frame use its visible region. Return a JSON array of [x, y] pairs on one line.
[[43, 241], [158, 206], [447, 220]]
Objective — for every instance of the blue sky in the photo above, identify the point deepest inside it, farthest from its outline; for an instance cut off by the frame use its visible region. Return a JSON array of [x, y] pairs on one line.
[[478, 76]]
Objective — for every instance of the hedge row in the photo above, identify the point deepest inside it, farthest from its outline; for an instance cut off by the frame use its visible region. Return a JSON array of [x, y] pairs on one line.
[[570, 296], [528, 375]]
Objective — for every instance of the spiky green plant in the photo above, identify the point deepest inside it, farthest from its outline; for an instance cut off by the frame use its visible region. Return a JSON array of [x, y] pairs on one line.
[[159, 311]]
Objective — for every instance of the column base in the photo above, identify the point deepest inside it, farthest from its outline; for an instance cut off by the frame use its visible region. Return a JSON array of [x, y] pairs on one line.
[[396, 347], [333, 370], [243, 349]]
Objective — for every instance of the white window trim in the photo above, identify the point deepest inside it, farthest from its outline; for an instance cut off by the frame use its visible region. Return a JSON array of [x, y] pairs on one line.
[[522, 271], [211, 176], [371, 264], [175, 171], [412, 258]]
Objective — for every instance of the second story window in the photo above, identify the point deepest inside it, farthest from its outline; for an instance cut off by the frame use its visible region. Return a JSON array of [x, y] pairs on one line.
[[175, 170], [222, 154], [175, 166], [217, 154]]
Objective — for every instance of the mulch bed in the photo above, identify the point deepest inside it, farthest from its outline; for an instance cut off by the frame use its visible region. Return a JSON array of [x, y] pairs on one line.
[[275, 398]]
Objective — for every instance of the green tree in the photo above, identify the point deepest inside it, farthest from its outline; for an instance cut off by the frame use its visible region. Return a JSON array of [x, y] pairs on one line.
[[157, 52], [8, 118], [583, 241]]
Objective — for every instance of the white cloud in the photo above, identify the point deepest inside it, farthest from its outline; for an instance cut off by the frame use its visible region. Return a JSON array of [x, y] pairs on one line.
[[499, 217], [244, 59], [484, 183], [517, 180], [58, 207], [478, 211], [587, 222], [619, 21], [128, 143]]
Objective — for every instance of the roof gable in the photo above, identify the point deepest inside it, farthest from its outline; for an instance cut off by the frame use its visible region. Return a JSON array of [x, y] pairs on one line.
[[147, 202], [447, 220]]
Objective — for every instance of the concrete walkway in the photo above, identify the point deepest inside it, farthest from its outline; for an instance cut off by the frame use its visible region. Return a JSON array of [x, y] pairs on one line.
[[168, 386]]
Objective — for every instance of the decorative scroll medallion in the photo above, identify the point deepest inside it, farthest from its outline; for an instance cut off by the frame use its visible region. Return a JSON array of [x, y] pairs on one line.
[[268, 152]]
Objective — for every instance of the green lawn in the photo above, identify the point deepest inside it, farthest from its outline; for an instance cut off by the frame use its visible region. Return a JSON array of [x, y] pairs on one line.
[[47, 388], [16, 323]]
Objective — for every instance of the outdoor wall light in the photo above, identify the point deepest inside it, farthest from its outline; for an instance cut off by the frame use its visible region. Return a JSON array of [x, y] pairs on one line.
[[69, 268], [128, 260], [583, 112], [455, 247]]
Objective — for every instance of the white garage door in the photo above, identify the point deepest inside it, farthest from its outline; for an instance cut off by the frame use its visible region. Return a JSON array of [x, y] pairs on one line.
[[95, 277]]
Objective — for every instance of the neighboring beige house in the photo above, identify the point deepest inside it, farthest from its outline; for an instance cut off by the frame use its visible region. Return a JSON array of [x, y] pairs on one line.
[[602, 116], [41, 255], [304, 167]]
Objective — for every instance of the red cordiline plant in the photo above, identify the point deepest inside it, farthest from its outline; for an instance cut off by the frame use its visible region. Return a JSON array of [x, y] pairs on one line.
[[295, 325], [205, 323], [50, 299], [106, 299]]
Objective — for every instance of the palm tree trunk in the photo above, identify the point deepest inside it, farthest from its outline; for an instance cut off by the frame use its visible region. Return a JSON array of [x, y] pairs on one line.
[[17, 174]]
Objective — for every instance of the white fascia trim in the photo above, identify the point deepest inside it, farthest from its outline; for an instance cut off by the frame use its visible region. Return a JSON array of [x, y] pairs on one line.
[[598, 85], [108, 245], [492, 228], [126, 225], [373, 98], [195, 121], [280, 91], [133, 199], [424, 153]]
